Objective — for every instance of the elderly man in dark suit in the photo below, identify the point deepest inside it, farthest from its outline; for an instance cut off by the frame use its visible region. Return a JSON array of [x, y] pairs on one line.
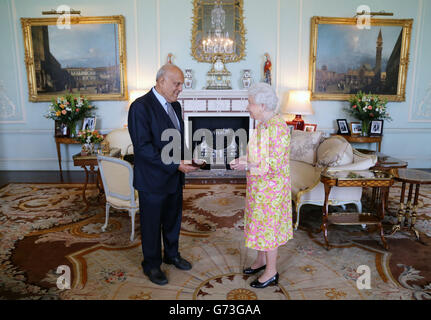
[[159, 182]]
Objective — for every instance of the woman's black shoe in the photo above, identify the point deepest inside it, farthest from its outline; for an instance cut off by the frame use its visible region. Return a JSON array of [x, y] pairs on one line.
[[253, 271], [257, 284]]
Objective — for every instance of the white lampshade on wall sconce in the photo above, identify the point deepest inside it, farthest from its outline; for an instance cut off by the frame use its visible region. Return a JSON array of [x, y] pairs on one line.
[[298, 103]]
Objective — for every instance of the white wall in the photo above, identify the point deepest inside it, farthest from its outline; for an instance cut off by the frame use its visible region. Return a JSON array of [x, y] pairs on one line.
[[155, 28]]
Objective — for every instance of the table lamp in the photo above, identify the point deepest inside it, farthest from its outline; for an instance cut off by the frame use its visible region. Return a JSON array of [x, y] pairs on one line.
[[299, 104]]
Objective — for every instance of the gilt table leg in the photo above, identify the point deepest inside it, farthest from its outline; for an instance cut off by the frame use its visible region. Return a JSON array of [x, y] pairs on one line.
[[325, 216], [384, 191], [57, 144], [401, 211], [87, 204], [414, 209]]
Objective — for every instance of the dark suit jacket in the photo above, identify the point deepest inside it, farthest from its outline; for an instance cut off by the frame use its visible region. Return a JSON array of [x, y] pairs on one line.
[[146, 122]]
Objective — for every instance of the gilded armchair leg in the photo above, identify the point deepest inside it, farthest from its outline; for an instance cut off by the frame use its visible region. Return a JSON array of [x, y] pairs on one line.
[[297, 211]]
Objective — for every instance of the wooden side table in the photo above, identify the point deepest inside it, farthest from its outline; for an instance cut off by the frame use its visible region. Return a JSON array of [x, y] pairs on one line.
[[408, 210], [388, 164], [62, 140], [363, 178], [361, 139], [90, 161]]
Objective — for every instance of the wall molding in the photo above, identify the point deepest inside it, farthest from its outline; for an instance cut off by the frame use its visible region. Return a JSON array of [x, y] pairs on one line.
[[13, 22], [300, 30], [158, 36], [277, 48], [138, 67], [417, 56]]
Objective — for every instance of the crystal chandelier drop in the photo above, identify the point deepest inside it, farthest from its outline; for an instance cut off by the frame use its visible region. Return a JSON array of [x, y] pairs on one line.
[[216, 43]]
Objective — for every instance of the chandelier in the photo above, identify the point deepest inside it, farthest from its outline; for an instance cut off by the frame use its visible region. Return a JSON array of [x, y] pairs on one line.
[[218, 48]]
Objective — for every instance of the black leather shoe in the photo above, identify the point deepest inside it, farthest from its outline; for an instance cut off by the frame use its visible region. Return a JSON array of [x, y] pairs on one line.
[[253, 271], [179, 262], [157, 276], [271, 281]]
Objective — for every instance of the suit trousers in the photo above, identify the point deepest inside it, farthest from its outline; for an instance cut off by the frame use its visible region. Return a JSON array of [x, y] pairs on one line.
[[160, 216]]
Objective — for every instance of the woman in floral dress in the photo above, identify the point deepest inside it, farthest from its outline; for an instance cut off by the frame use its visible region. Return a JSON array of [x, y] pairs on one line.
[[268, 211]]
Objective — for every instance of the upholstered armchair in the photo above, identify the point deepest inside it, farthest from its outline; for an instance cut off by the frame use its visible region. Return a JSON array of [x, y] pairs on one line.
[[117, 178], [120, 138], [310, 155]]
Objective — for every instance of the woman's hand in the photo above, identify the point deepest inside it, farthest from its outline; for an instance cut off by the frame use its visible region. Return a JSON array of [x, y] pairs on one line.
[[239, 163]]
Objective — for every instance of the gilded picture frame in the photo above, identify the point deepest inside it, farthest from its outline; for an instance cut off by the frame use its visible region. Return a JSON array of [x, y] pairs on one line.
[[86, 57], [345, 58], [234, 26]]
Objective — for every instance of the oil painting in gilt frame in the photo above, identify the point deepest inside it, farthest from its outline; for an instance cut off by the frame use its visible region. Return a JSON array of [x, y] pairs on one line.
[[88, 57], [346, 59]]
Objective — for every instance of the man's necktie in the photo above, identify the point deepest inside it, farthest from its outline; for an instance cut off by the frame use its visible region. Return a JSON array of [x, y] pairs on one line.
[[171, 114]]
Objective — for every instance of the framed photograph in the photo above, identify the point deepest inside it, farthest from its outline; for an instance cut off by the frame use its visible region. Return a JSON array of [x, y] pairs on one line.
[[309, 127], [61, 130], [291, 125], [376, 127], [89, 124], [355, 128], [347, 57], [87, 57], [343, 128]]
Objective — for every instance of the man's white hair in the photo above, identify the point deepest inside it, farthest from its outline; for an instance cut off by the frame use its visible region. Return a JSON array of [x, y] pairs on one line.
[[263, 93], [164, 69]]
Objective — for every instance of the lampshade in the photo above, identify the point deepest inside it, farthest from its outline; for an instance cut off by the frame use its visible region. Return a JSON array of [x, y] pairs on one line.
[[298, 103], [134, 94]]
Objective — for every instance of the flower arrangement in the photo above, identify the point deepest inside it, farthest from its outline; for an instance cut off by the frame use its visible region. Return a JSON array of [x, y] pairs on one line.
[[69, 109], [88, 136], [368, 107]]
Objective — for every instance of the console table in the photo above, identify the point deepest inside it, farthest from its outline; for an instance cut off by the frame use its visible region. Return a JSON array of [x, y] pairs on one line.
[[363, 178], [361, 139], [62, 140]]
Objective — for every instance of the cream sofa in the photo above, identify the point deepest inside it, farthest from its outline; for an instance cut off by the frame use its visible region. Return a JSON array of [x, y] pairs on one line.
[[311, 153]]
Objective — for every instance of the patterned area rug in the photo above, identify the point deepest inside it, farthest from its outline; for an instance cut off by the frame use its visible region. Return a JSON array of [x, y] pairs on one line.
[[43, 226]]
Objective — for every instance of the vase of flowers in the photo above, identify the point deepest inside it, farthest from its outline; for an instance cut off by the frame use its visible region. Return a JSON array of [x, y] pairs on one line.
[[367, 107], [68, 110], [88, 139]]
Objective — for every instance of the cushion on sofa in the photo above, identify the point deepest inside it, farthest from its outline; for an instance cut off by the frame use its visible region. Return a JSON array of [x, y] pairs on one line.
[[334, 151], [303, 145], [303, 176]]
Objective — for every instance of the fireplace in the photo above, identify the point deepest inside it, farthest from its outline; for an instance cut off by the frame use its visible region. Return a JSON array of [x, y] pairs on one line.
[[217, 139], [212, 110]]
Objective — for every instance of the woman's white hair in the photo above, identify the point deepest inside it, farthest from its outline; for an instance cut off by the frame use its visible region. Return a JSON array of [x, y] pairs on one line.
[[263, 93]]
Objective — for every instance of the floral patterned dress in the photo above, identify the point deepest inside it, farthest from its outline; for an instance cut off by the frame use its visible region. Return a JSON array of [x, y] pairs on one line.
[[268, 211]]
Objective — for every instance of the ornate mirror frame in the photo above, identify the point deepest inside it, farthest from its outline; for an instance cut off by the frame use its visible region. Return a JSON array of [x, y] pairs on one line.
[[234, 25]]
